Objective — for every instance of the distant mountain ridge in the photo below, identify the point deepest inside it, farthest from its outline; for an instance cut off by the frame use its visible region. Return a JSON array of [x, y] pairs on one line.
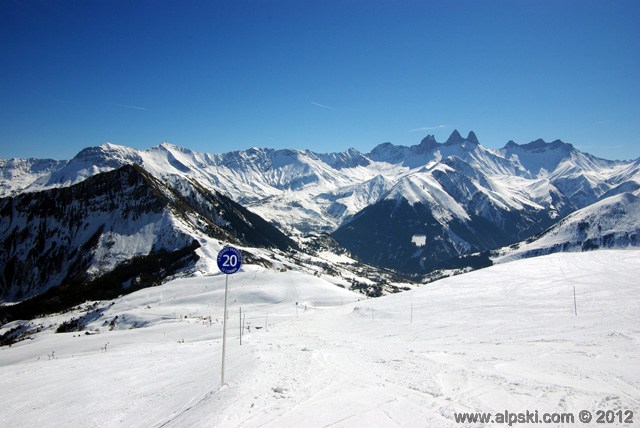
[[17, 174], [613, 222], [463, 197]]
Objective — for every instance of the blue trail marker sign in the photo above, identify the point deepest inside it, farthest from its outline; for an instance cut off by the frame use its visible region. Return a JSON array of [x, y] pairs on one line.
[[229, 262]]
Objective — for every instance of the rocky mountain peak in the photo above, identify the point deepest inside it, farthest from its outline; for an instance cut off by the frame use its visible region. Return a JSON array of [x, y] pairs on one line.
[[471, 138], [454, 138], [428, 143]]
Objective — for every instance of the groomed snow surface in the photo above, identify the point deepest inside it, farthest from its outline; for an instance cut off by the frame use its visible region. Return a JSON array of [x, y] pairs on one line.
[[502, 338]]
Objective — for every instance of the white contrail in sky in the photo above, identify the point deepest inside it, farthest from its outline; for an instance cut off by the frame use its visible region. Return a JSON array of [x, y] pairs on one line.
[[428, 128], [129, 106], [322, 106]]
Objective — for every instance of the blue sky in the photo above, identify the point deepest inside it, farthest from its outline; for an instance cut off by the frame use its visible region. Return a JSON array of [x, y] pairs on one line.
[[217, 76]]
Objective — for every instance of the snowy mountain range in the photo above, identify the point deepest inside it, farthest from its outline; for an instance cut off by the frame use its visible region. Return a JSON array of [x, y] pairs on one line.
[[114, 232], [465, 199], [411, 209]]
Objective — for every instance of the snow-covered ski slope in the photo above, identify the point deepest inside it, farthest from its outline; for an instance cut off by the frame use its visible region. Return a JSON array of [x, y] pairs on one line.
[[501, 338]]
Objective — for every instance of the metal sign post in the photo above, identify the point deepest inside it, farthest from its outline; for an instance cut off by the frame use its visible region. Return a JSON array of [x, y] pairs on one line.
[[229, 262]]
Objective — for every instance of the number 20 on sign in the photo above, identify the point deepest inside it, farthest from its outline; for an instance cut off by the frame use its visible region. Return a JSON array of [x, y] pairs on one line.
[[229, 260]]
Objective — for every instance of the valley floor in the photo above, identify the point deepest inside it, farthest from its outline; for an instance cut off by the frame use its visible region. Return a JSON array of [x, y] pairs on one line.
[[502, 338]]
